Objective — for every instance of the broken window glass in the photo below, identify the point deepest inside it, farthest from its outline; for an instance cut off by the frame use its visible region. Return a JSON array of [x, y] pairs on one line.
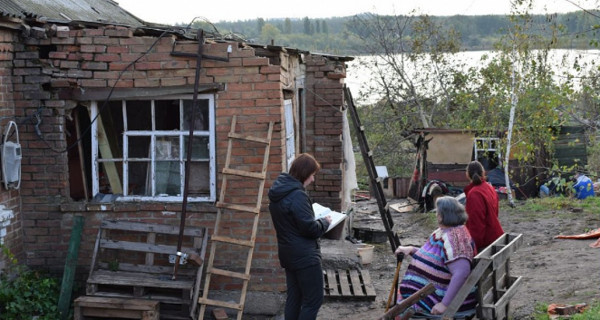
[[140, 148]]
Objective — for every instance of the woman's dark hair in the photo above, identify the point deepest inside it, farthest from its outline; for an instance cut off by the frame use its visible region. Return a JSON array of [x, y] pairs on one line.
[[475, 172], [451, 212], [303, 166]]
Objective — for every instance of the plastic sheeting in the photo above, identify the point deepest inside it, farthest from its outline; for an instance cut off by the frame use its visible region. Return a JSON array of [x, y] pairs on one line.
[[350, 180]]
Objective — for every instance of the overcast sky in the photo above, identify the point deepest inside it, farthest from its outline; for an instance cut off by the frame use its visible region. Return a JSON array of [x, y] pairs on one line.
[[183, 11]]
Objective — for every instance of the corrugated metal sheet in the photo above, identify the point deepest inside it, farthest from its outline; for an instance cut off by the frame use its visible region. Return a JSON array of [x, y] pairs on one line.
[[10, 9], [570, 147], [65, 11]]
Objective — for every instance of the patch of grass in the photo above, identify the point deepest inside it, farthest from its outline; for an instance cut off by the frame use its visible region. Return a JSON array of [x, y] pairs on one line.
[[591, 313], [562, 207], [540, 312]]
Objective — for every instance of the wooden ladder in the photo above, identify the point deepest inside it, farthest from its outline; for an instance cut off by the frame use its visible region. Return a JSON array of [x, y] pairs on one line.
[[243, 244], [374, 179]]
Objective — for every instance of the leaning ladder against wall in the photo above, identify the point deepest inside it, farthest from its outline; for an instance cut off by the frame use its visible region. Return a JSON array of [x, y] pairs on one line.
[[226, 214]]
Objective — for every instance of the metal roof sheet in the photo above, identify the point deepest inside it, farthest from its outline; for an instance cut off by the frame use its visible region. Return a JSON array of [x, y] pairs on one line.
[[97, 11], [9, 8]]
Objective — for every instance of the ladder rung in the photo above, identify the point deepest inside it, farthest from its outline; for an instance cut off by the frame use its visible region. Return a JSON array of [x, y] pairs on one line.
[[257, 175], [227, 273], [249, 138], [238, 207], [224, 304], [246, 243]]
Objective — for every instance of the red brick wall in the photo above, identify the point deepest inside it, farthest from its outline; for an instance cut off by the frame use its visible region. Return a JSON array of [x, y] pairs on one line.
[[324, 99], [93, 58], [9, 200]]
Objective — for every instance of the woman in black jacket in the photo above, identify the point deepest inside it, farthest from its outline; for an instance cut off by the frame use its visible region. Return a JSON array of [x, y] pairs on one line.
[[297, 238]]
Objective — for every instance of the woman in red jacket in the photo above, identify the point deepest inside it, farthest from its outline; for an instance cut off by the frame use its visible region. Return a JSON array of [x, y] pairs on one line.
[[482, 207]]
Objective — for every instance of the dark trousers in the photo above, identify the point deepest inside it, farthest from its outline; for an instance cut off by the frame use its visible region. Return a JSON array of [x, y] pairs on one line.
[[304, 293]]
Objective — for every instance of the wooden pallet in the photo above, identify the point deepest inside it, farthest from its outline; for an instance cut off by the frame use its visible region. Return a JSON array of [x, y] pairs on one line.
[[131, 260], [348, 284], [103, 307]]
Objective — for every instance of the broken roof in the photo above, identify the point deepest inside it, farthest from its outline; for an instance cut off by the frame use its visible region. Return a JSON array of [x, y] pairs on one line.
[[66, 11]]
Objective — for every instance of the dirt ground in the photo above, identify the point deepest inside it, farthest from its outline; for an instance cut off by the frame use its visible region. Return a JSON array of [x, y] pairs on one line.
[[553, 270]]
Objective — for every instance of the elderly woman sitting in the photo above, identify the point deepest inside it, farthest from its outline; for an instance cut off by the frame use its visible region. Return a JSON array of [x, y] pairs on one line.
[[444, 260]]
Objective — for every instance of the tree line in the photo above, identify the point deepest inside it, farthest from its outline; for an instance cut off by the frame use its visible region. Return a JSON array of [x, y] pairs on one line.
[[342, 35], [420, 82]]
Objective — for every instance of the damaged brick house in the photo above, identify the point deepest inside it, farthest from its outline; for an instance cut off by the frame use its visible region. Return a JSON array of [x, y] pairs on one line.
[[99, 96]]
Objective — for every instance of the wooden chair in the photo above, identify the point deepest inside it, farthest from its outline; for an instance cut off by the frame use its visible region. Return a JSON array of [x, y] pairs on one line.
[[495, 285]]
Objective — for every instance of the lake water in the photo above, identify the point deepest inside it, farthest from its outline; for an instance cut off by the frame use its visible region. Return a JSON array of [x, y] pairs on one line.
[[561, 60]]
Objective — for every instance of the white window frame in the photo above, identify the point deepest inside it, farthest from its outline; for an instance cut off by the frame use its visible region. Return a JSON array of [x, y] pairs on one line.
[[290, 133], [153, 134], [484, 145]]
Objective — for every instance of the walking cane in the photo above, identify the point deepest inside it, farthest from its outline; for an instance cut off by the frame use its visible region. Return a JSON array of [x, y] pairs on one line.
[[394, 288]]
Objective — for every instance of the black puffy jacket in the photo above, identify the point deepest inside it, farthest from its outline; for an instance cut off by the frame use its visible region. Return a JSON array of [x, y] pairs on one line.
[[294, 220]]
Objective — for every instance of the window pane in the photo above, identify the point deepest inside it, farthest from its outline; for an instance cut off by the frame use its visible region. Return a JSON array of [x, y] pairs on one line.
[[199, 148], [112, 127], [138, 147], [139, 179], [110, 176], [166, 114], [201, 119], [167, 148], [139, 116], [168, 178], [199, 184]]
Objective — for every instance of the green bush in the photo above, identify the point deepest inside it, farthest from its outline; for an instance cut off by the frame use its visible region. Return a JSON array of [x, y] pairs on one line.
[[27, 294]]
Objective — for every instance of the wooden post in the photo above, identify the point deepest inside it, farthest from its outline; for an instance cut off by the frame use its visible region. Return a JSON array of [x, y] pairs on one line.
[[66, 288]]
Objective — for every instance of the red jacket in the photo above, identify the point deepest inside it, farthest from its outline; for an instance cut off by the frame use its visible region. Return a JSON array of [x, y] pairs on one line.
[[482, 208]]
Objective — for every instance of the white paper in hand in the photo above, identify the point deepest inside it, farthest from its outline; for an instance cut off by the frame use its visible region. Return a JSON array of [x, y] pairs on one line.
[[321, 211]]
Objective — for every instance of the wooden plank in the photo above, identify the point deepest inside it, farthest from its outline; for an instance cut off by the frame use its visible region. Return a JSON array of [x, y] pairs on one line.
[[368, 284], [227, 273], [162, 298], [184, 270], [239, 207], [121, 278], [81, 155], [331, 284], [151, 239], [356, 286], [498, 310], [198, 242], [100, 94], [148, 227], [110, 313], [463, 292], [106, 153], [509, 243], [342, 278], [405, 303], [243, 173], [238, 136], [140, 246], [104, 307], [218, 303], [129, 304], [240, 242]]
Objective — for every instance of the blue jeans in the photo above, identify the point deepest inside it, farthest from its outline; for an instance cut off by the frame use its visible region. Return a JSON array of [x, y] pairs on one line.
[[304, 293]]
